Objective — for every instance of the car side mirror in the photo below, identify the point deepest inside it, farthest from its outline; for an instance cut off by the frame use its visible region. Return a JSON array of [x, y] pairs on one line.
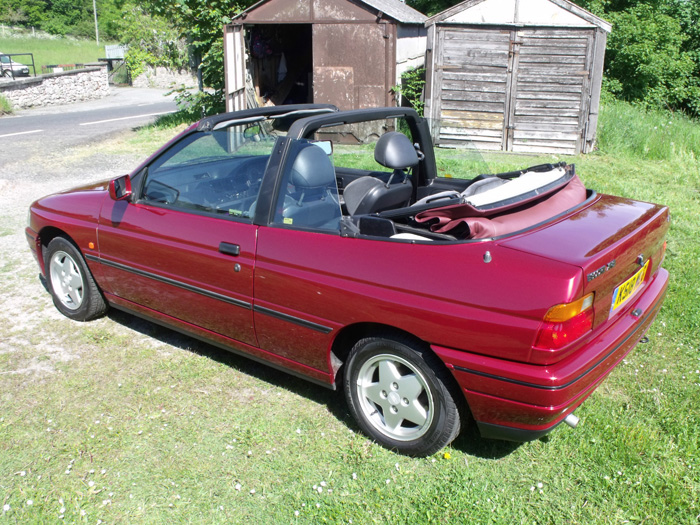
[[120, 188]]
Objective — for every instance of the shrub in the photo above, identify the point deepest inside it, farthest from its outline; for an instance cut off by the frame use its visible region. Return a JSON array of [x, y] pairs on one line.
[[5, 106], [411, 88]]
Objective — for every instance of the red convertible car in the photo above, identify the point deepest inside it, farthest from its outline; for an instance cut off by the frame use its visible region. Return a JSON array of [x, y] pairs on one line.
[[280, 234]]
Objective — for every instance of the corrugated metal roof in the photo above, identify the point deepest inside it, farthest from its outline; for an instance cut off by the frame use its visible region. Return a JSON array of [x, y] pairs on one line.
[[397, 10]]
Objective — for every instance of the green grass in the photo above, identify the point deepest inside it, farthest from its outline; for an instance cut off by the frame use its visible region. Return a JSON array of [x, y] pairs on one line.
[[5, 106], [122, 421], [53, 51]]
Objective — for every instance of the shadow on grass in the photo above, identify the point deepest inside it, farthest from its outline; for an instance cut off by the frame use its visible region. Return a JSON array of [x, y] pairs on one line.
[[469, 441]]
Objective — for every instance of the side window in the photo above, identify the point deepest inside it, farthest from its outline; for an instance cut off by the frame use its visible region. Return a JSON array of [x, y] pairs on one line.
[[308, 198], [215, 171]]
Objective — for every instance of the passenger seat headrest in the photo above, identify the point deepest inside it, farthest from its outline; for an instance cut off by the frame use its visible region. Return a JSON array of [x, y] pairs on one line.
[[312, 168], [395, 151]]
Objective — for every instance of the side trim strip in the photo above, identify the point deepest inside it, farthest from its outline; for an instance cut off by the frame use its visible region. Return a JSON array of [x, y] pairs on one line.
[[173, 282], [292, 319], [652, 310], [236, 302]]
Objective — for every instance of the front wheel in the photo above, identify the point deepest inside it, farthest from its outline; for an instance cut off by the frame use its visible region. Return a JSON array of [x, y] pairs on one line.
[[398, 394], [70, 282]]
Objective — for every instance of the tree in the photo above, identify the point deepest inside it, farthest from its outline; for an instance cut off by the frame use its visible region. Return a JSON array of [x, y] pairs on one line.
[[653, 52], [152, 41]]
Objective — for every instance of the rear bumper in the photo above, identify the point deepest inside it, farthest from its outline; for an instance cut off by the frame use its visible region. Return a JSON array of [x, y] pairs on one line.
[[521, 402]]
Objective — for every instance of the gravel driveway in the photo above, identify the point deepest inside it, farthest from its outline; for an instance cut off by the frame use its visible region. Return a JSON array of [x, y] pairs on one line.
[[52, 166]]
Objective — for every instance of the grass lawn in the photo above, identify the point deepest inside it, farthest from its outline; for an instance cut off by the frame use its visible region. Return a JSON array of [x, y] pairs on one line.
[[122, 421], [52, 51]]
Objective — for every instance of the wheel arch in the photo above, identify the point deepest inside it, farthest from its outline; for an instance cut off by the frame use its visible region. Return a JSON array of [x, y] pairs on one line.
[[48, 234], [349, 335]]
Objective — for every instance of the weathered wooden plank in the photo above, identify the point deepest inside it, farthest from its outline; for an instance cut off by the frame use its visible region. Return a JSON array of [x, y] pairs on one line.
[[546, 120], [578, 62], [550, 79], [545, 147], [571, 126], [527, 50], [488, 87], [463, 143], [467, 45], [492, 77], [487, 35], [546, 112], [457, 116], [537, 41], [481, 64], [530, 135], [485, 134], [496, 125], [497, 69], [538, 95], [472, 96], [552, 71], [550, 87], [521, 104], [553, 33], [462, 57], [486, 107]]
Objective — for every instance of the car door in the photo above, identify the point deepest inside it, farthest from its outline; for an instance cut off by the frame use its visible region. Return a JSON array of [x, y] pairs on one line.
[[184, 245]]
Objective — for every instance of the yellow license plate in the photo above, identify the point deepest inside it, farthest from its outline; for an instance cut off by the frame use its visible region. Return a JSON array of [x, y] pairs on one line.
[[626, 290]]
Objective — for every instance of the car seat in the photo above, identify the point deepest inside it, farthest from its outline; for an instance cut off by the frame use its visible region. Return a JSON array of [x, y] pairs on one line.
[[313, 202], [367, 194]]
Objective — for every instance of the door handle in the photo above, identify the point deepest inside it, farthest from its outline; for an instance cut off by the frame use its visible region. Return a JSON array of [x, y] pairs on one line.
[[229, 249]]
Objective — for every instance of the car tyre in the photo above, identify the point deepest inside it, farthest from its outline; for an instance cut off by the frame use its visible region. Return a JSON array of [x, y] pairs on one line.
[[398, 393], [74, 291]]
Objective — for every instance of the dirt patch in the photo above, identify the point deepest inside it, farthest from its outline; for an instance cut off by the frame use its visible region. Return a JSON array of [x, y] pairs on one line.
[[34, 337]]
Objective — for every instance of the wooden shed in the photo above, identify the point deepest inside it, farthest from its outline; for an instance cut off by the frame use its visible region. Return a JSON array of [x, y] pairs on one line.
[[350, 53], [515, 75]]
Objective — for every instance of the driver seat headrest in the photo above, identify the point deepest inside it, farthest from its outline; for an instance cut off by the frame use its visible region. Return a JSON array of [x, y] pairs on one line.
[[394, 150], [312, 168]]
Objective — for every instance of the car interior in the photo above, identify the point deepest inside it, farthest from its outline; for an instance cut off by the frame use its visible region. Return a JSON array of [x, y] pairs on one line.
[[366, 186]]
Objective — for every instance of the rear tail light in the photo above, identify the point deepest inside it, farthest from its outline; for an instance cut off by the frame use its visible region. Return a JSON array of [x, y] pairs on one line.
[[565, 323], [663, 253]]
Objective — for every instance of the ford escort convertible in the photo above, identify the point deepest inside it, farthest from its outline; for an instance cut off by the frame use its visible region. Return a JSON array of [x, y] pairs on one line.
[[328, 244]]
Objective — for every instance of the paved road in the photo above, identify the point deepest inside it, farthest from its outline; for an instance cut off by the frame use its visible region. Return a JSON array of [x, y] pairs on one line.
[[54, 128]]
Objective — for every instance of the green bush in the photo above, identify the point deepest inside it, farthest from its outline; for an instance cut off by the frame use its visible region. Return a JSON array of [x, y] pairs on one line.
[[411, 88], [646, 62]]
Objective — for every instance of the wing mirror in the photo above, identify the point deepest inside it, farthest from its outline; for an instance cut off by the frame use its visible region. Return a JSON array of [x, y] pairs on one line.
[[120, 188]]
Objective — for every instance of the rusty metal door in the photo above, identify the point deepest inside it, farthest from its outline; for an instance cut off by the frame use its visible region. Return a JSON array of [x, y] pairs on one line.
[[353, 64]]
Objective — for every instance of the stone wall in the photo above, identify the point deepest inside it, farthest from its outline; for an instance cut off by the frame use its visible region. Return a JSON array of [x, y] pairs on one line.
[[164, 78], [56, 89]]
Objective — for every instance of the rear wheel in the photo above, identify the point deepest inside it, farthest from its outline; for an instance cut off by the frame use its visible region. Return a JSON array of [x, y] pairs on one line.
[[398, 394], [70, 282]]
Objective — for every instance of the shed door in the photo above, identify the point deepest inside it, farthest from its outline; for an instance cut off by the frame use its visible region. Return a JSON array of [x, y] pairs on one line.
[[516, 90], [549, 99], [353, 65], [473, 80]]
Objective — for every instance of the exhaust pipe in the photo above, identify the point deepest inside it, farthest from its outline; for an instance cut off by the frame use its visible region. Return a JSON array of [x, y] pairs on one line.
[[571, 420]]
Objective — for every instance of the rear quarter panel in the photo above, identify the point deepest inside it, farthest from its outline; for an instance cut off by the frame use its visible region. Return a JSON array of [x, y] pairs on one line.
[[443, 294]]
